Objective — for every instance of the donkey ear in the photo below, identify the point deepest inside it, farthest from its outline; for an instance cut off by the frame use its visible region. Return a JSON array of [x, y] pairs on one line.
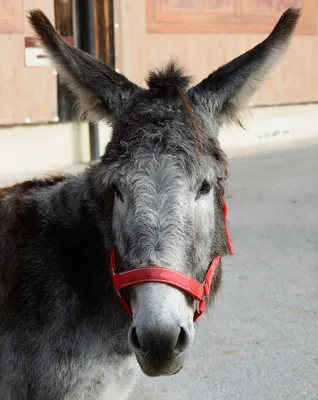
[[226, 92], [102, 92]]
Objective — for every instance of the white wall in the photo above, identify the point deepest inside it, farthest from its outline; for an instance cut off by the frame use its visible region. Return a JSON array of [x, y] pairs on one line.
[[273, 125], [31, 149]]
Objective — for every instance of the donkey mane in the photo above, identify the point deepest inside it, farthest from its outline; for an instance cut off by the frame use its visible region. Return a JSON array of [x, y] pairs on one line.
[[168, 81], [171, 83], [31, 185]]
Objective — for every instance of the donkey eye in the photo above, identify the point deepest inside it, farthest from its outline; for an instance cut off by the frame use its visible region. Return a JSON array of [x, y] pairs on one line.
[[205, 188], [117, 193]]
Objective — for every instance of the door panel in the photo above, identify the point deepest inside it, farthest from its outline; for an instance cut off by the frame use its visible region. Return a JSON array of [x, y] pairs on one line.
[[27, 94], [11, 16]]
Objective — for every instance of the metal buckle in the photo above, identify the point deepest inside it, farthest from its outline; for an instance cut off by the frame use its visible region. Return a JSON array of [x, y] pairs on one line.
[[200, 306], [206, 289], [197, 308]]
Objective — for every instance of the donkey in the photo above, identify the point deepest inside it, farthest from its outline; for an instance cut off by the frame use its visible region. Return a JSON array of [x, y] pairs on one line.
[[144, 226]]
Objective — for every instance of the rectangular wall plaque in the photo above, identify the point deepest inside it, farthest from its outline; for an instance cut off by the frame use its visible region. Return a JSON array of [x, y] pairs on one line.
[[34, 54]]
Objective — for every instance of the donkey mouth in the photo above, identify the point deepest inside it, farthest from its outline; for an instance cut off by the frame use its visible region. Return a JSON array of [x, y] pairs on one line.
[[177, 371], [155, 367]]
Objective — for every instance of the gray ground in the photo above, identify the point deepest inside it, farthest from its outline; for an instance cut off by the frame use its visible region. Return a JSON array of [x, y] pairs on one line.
[[260, 341]]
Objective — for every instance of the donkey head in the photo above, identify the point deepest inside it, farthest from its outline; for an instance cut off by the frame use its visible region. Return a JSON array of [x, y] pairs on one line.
[[163, 175]]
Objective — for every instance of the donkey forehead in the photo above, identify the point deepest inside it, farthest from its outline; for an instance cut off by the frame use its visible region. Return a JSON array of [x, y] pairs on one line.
[[160, 161], [157, 132], [137, 137], [157, 136]]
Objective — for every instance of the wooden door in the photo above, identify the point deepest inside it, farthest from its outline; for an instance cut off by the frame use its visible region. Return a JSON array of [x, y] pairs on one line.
[[28, 92], [204, 34]]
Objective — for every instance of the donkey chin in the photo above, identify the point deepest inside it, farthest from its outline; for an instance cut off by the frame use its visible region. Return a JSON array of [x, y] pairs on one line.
[[159, 363], [162, 331]]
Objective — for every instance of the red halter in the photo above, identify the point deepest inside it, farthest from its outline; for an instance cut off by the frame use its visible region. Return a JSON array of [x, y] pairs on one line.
[[199, 291]]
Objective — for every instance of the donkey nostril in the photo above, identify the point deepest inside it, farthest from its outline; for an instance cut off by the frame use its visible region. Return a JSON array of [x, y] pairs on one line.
[[167, 342], [134, 339], [183, 340]]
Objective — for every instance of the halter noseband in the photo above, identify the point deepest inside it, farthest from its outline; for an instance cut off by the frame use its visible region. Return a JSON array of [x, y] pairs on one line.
[[199, 291]]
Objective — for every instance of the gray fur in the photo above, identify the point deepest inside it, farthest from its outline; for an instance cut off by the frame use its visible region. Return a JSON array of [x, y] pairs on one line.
[[63, 333]]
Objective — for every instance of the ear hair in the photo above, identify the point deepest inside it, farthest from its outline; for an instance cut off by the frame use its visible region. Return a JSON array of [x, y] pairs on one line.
[[102, 92], [226, 92]]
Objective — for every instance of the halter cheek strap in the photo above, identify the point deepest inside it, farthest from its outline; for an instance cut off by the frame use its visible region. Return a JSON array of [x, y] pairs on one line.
[[199, 291], [228, 237]]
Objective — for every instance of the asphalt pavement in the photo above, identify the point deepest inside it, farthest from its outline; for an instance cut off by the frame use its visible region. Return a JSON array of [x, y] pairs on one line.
[[260, 340]]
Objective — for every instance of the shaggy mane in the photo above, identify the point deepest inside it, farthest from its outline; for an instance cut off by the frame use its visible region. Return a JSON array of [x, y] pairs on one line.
[[31, 184], [169, 81]]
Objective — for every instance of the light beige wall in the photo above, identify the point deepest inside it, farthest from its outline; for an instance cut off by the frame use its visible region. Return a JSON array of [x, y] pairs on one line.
[[27, 93], [294, 80], [30, 150]]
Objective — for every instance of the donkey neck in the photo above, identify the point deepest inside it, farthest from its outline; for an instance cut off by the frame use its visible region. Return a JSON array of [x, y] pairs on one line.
[[80, 262]]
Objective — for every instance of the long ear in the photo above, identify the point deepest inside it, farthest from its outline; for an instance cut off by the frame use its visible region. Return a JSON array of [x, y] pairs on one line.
[[102, 92], [226, 92]]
